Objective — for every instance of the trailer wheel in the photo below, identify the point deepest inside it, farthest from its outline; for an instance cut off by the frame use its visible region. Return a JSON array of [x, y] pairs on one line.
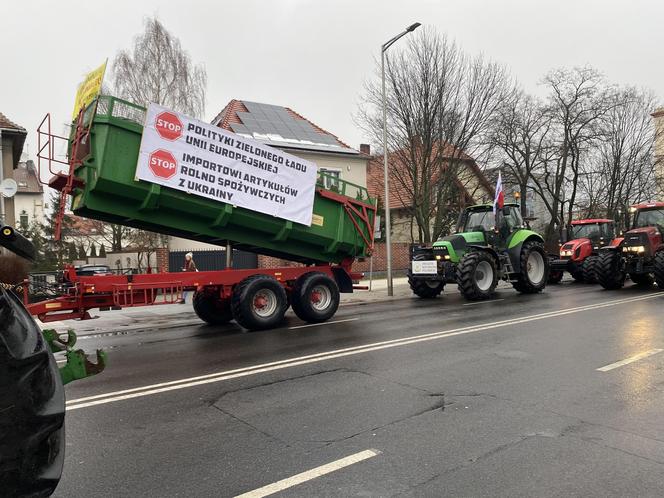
[[212, 309], [315, 297], [534, 270], [588, 268], [659, 269], [32, 406], [259, 302], [610, 274], [477, 277]]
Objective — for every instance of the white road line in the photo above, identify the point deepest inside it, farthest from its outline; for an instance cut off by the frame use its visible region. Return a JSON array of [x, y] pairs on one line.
[[629, 360], [322, 323], [289, 482], [148, 390], [484, 302]]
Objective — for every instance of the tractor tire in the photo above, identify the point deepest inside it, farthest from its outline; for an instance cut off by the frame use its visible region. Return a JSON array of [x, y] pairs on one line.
[[32, 406], [659, 269], [555, 277], [259, 302], [577, 275], [315, 297], [426, 289], [610, 275], [642, 279], [477, 276], [588, 268], [534, 271], [212, 309]]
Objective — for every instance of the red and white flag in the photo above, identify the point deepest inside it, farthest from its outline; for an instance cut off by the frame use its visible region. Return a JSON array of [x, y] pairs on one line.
[[499, 200]]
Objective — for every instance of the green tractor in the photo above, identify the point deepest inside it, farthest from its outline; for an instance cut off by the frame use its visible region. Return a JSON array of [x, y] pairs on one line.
[[479, 254]]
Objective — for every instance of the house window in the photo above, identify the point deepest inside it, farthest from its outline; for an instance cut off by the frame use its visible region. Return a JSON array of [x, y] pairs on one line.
[[331, 178], [23, 220]]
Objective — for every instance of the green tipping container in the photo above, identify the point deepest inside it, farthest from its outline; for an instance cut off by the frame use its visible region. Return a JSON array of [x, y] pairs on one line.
[[110, 193]]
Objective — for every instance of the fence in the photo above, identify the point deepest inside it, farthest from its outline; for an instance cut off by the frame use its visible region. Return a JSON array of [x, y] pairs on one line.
[[212, 260]]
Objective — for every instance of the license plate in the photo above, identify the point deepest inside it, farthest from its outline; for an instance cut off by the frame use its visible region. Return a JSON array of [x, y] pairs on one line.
[[424, 267]]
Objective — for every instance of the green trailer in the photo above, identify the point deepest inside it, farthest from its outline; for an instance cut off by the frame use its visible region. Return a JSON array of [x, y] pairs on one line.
[[103, 150]]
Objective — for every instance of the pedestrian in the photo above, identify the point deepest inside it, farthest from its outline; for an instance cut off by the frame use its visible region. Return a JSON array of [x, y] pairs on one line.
[[189, 265]]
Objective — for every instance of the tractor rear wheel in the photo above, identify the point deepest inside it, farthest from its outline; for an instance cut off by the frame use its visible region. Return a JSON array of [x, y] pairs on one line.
[[477, 277], [315, 297], [534, 269], [610, 274], [212, 309], [642, 279], [259, 302], [659, 269], [426, 289], [588, 268]]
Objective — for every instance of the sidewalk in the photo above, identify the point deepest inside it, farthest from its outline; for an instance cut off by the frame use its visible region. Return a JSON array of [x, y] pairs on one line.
[[182, 315]]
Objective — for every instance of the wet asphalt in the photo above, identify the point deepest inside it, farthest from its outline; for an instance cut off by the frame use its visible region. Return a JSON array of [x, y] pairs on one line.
[[499, 398]]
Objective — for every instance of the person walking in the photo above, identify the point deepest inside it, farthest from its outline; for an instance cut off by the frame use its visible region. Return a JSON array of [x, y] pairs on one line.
[[189, 265]]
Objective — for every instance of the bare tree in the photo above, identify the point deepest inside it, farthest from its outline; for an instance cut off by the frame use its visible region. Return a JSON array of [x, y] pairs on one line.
[[146, 244], [158, 70], [440, 102], [578, 99], [520, 134]]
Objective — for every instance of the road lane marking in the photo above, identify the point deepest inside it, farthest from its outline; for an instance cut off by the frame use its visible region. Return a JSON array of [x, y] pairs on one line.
[[322, 323], [484, 302], [289, 482], [629, 360], [148, 390]]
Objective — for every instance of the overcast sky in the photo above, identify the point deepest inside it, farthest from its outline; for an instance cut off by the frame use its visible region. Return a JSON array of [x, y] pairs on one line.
[[314, 56]]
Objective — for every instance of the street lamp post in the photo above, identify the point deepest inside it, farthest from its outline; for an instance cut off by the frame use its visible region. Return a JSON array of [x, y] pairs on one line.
[[386, 202]]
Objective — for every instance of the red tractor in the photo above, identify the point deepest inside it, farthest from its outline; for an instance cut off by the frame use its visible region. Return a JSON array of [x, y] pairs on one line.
[[579, 255], [640, 254]]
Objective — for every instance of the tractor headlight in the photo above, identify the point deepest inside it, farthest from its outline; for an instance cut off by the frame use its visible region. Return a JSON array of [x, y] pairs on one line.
[[438, 256], [636, 249], [447, 256], [566, 253]]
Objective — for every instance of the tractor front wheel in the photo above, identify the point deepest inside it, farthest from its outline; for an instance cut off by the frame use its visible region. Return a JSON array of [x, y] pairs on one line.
[[659, 269], [477, 277], [610, 273], [555, 277], [642, 279], [534, 269], [588, 269], [426, 289]]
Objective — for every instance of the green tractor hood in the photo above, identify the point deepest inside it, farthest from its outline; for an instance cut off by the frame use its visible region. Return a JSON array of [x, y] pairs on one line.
[[457, 244]]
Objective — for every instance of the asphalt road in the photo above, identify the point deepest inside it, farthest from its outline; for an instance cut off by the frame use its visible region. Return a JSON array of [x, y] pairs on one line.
[[427, 398]]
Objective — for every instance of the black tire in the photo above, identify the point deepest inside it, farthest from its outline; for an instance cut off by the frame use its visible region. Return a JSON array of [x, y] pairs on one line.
[[470, 270], [588, 268], [247, 311], [659, 269], [555, 277], [526, 283], [211, 308], [610, 274], [642, 279], [426, 289], [32, 406], [315, 297], [577, 275]]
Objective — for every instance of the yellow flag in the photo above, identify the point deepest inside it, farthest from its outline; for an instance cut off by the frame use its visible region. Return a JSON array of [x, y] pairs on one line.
[[89, 89]]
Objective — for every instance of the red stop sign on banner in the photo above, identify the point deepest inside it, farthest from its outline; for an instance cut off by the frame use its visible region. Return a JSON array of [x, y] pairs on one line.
[[163, 164], [168, 125]]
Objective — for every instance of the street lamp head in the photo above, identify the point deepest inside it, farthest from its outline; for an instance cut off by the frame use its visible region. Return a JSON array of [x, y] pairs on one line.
[[413, 27]]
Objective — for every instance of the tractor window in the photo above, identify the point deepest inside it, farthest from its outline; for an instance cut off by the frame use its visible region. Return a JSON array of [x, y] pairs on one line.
[[512, 217], [479, 220], [649, 217], [590, 231]]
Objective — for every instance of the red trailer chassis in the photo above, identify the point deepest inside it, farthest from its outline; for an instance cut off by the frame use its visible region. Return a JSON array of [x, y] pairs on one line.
[[148, 289]]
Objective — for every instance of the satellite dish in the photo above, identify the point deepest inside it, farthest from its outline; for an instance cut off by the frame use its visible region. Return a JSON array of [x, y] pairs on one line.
[[8, 187]]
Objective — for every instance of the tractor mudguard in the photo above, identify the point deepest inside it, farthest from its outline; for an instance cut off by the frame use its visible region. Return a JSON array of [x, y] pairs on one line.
[[515, 243], [488, 249]]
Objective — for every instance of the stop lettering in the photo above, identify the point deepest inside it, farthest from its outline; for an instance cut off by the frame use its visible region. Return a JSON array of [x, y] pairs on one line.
[[163, 164], [168, 125]]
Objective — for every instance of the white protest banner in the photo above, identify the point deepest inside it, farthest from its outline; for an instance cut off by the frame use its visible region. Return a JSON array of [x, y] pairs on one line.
[[196, 157]]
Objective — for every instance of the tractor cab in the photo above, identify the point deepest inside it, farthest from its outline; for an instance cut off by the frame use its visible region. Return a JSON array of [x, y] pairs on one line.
[[599, 232]]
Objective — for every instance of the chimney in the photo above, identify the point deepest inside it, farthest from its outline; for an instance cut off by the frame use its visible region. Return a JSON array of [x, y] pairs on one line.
[[365, 149]]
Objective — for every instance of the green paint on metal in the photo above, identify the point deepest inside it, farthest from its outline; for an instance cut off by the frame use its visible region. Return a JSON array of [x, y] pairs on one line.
[[112, 194], [77, 366], [520, 236]]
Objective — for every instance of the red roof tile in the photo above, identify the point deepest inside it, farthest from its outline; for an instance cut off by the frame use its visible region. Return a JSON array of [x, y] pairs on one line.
[[6, 123]]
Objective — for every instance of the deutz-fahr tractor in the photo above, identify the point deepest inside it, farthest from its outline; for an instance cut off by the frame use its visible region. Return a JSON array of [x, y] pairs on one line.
[[579, 254], [480, 254], [640, 254]]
